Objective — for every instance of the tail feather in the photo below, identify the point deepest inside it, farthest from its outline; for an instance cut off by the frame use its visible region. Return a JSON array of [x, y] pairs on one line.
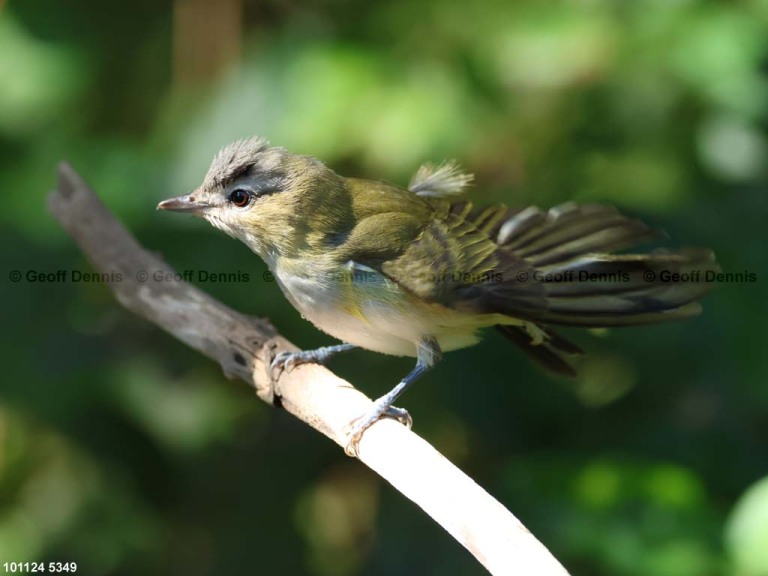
[[604, 290], [550, 354], [558, 268], [567, 262]]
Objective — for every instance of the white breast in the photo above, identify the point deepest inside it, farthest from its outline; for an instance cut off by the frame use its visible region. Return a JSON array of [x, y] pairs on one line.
[[360, 306]]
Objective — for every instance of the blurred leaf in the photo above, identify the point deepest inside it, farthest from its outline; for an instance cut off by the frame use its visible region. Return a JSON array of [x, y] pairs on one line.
[[733, 149], [746, 533], [39, 80], [719, 51]]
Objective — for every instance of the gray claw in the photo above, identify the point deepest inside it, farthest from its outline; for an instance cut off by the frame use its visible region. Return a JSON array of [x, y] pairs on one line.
[[360, 424], [290, 360], [284, 360], [401, 415]]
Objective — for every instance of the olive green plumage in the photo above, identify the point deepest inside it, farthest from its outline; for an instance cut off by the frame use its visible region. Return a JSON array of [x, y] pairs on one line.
[[427, 249]]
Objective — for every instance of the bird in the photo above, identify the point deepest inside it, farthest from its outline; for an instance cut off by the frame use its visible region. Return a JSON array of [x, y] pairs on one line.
[[418, 271]]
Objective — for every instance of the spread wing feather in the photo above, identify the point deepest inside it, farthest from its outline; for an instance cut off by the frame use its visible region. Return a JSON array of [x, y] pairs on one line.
[[570, 248], [544, 268]]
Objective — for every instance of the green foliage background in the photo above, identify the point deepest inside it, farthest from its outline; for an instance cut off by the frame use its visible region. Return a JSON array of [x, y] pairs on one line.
[[126, 452]]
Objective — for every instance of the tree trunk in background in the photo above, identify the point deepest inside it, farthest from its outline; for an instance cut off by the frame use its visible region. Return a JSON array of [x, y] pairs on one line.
[[207, 39]]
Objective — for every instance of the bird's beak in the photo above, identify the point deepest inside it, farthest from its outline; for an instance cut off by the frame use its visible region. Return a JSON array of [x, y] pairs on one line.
[[188, 203]]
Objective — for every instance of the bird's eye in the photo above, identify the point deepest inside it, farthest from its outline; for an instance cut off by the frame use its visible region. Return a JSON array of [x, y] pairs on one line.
[[240, 198]]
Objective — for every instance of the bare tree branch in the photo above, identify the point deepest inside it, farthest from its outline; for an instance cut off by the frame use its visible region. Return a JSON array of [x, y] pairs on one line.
[[244, 347]]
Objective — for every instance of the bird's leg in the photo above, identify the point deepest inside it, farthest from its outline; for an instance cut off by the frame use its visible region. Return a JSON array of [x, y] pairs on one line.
[[318, 356], [428, 353]]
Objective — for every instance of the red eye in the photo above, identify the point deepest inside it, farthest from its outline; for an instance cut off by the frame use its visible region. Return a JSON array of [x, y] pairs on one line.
[[240, 198]]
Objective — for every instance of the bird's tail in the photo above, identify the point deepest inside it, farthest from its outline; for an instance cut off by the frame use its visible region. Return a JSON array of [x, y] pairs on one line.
[[559, 270], [564, 256], [552, 353]]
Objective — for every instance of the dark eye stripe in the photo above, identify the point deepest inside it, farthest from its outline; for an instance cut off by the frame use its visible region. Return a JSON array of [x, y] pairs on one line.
[[269, 190]]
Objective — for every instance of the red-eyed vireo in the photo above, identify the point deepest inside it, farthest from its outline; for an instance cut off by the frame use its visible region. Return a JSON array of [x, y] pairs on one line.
[[418, 271]]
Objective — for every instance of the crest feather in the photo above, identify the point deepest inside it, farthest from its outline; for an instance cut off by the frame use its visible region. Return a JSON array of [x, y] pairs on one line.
[[234, 159]]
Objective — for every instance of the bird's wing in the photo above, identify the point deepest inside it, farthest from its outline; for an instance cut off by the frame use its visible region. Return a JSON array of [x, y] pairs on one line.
[[454, 262], [570, 249], [496, 261], [434, 249], [554, 267]]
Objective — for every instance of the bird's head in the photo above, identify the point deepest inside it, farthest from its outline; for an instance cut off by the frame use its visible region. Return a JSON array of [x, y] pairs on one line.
[[273, 201]]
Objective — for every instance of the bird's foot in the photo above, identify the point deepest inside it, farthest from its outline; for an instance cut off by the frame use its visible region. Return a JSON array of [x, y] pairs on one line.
[[382, 408], [289, 360]]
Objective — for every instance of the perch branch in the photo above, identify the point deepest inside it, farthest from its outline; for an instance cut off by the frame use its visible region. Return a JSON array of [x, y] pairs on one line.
[[244, 347]]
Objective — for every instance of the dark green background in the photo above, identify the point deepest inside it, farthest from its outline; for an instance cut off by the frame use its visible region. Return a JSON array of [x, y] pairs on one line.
[[123, 450]]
